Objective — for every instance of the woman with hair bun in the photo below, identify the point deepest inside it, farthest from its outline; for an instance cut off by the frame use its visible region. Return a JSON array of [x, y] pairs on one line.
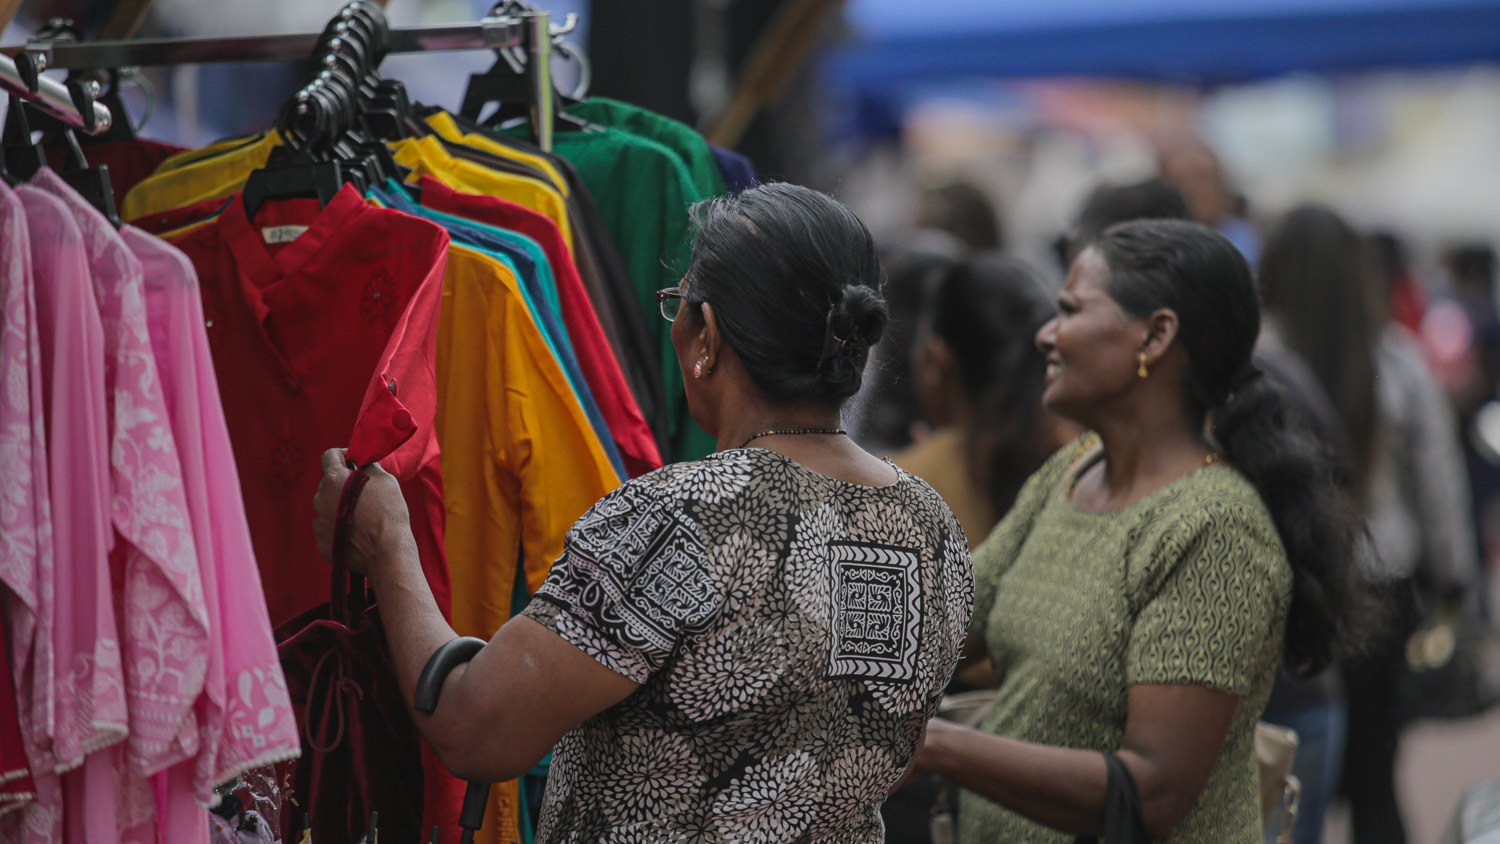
[[740, 648], [1138, 598]]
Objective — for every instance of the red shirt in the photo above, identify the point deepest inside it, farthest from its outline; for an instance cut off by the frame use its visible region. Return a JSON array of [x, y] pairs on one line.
[[307, 337], [601, 369]]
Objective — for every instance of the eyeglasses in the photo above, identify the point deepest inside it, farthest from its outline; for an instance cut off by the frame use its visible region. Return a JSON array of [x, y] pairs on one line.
[[670, 300]]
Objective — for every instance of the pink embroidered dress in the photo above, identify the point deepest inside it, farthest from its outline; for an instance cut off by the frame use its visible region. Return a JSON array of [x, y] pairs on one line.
[[163, 617], [157, 581], [244, 715], [24, 502], [74, 688]]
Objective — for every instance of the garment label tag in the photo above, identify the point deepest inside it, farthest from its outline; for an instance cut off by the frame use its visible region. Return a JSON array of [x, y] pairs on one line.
[[282, 234]]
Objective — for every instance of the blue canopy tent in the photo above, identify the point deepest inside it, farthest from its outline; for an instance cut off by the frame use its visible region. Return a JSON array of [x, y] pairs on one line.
[[897, 45]]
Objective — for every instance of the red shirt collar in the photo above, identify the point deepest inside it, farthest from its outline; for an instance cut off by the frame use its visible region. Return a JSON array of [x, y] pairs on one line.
[[258, 263]]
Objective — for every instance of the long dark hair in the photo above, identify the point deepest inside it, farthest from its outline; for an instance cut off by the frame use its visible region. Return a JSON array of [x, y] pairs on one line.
[[890, 404], [1313, 275], [795, 282], [987, 310], [1197, 273]]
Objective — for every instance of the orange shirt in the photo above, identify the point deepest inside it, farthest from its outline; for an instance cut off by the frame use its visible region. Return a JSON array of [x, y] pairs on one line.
[[520, 460]]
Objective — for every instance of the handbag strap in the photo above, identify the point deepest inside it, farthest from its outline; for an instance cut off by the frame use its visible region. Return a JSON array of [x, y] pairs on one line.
[[1124, 821], [346, 585]]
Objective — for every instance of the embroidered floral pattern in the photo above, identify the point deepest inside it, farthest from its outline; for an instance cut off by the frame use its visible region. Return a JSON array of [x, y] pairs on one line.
[[164, 619], [25, 517], [380, 303], [244, 715]]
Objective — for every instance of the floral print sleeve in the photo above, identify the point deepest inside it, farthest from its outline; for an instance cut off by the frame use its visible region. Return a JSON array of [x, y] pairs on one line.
[[630, 583]]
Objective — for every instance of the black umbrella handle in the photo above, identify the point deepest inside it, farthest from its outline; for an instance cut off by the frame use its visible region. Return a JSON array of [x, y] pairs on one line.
[[447, 657]]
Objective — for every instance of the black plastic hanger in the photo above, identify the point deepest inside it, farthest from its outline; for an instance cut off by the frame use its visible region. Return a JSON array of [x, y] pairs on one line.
[[92, 183], [507, 84], [5, 174], [23, 155], [336, 128], [299, 168]]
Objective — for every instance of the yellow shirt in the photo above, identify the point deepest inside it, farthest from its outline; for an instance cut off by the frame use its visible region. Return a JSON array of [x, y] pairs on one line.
[[224, 175], [527, 463], [449, 130], [520, 460], [192, 156], [942, 460], [217, 177], [426, 156]]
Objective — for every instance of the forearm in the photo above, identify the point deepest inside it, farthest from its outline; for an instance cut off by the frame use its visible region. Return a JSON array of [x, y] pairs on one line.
[[414, 626], [482, 728], [1057, 787]]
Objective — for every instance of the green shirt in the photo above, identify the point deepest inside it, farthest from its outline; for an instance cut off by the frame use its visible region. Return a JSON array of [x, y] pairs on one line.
[[680, 138], [643, 192], [1188, 586]]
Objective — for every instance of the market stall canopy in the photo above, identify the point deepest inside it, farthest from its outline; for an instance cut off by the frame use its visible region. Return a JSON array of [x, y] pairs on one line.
[[896, 42]]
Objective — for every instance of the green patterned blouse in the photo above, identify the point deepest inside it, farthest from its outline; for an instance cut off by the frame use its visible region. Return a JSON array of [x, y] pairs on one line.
[[1189, 585]]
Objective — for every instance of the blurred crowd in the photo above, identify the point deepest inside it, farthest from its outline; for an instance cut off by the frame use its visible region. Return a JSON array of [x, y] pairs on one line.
[[1396, 373]]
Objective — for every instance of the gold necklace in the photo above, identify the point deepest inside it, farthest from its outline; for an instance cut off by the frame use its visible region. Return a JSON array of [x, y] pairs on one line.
[[787, 432], [1091, 441]]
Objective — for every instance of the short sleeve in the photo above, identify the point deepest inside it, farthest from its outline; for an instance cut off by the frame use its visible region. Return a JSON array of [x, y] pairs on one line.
[[632, 582], [1217, 618], [994, 556]]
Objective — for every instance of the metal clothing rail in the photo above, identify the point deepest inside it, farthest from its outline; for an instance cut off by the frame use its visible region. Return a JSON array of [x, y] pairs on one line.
[[73, 104], [487, 34], [529, 31]]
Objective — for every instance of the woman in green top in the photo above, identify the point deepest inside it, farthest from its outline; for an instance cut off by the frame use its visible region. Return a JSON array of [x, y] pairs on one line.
[[1138, 597]]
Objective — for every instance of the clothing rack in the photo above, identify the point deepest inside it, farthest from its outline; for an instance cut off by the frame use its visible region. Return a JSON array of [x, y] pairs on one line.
[[73, 103], [490, 33], [531, 31]]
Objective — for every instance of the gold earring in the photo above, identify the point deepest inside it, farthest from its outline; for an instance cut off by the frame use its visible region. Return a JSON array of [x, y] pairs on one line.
[[1141, 370]]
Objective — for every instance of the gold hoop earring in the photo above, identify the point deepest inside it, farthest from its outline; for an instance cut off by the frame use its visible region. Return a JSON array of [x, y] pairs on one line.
[[1141, 370]]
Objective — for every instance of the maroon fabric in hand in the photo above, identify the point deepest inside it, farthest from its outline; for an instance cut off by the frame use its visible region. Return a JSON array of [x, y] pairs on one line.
[[16, 786], [360, 750]]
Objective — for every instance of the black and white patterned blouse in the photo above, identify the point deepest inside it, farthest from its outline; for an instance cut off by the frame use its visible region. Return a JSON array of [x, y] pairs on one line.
[[792, 634]]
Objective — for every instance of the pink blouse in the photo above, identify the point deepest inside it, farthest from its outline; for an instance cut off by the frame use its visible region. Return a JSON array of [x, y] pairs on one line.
[[165, 620], [74, 686], [245, 716], [25, 519]]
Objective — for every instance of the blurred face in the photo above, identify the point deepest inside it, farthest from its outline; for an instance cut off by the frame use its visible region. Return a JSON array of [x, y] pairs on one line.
[[1196, 173], [1091, 346]]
